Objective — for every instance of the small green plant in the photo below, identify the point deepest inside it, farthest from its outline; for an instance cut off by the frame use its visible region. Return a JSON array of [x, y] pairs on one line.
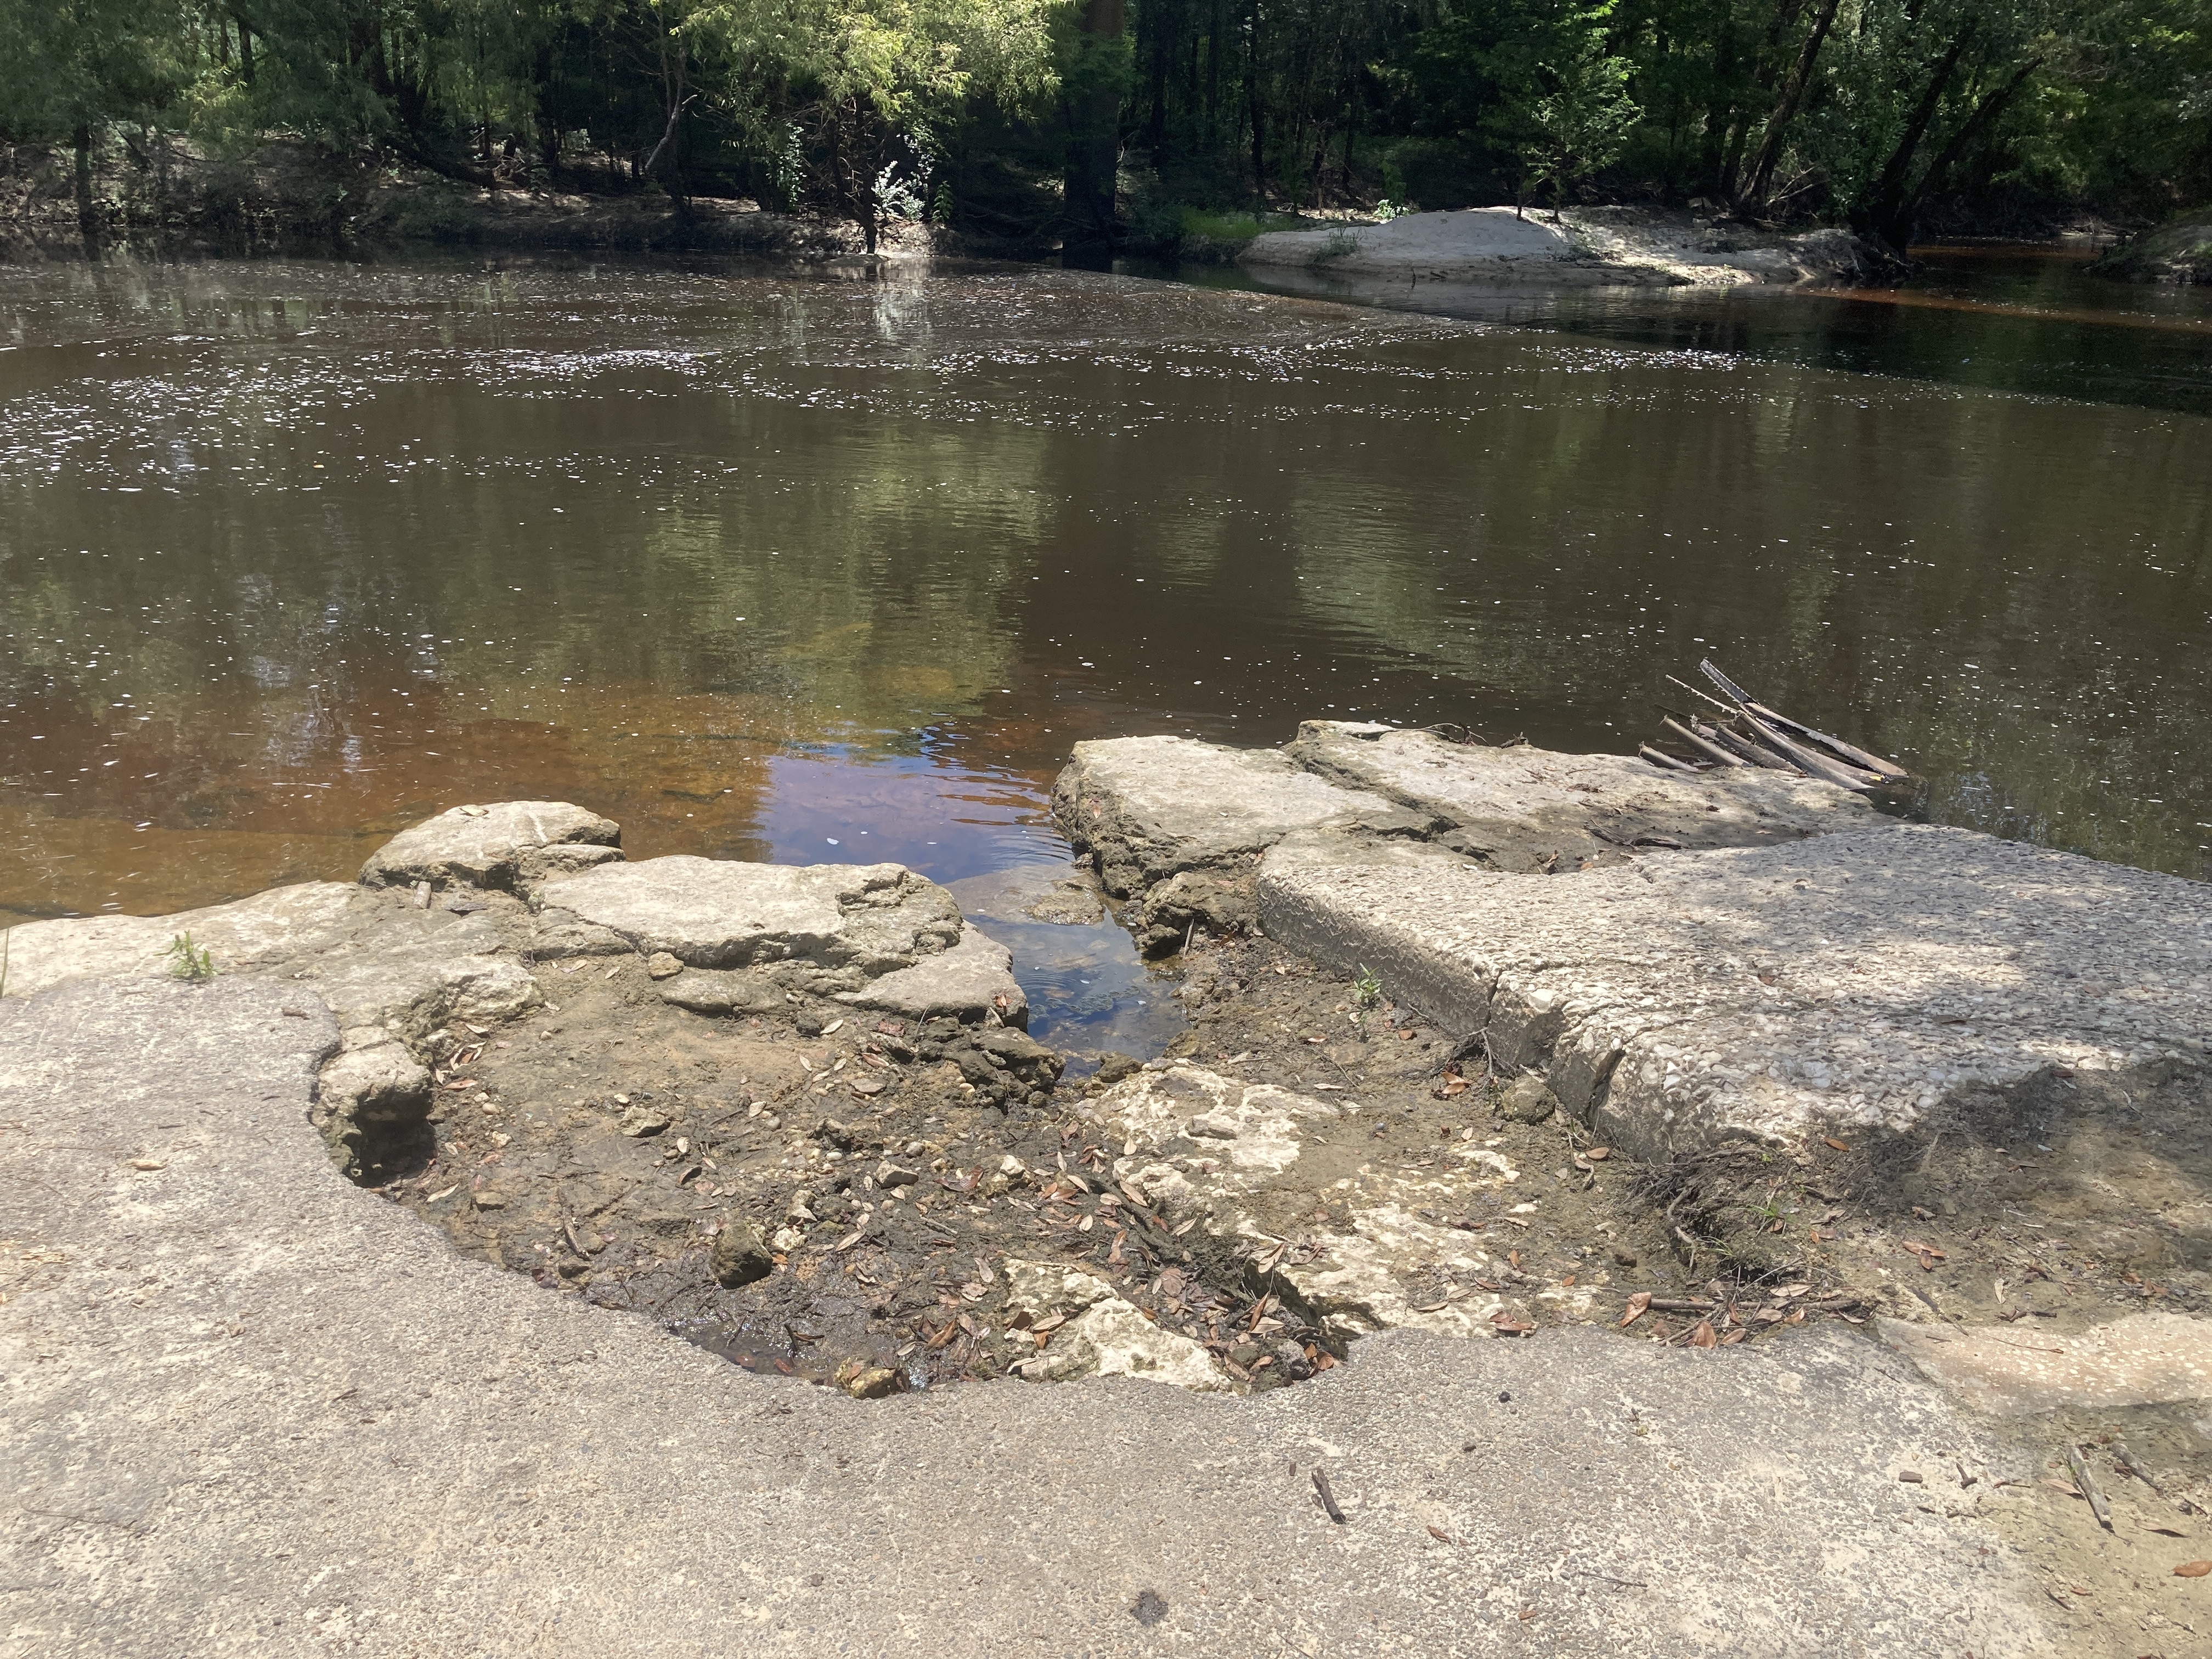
[[189, 961], [1367, 988], [1341, 242], [1389, 209]]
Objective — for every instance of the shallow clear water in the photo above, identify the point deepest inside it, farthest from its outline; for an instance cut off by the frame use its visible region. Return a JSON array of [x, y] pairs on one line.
[[795, 567]]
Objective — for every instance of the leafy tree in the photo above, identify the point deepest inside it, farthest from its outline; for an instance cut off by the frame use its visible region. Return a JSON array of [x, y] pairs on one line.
[[1580, 124]]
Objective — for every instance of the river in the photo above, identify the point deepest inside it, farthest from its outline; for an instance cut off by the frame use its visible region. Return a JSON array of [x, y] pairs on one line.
[[809, 567]]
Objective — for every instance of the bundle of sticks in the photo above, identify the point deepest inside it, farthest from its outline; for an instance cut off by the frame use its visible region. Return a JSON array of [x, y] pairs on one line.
[[1747, 732]]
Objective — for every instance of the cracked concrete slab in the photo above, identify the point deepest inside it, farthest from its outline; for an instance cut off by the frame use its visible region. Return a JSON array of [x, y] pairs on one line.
[[271, 926], [975, 972], [510, 845], [1523, 809], [1146, 809], [1852, 982], [253, 1409], [871, 919]]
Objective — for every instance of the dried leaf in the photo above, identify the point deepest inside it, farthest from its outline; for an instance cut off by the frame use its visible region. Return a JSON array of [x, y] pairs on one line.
[[150, 1163], [2192, 1569], [1598, 1154], [1703, 1337], [1638, 1305], [1829, 1140], [1442, 1537]]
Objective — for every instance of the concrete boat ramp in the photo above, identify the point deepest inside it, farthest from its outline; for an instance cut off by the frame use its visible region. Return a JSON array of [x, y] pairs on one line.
[[251, 1407]]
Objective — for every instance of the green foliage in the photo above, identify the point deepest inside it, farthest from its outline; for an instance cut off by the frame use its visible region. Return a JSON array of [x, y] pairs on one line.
[[1367, 989], [1579, 121], [188, 961], [976, 111]]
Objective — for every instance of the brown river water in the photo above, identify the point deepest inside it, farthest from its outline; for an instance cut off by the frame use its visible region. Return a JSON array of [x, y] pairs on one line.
[[810, 566]]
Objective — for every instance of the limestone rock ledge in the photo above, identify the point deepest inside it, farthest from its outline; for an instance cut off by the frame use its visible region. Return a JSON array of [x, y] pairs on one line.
[[1863, 983], [450, 917], [1681, 959], [1176, 827], [1256, 1163]]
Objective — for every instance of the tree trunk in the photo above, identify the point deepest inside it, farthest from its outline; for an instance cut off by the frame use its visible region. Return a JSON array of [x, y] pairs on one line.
[[1259, 110], [1887, 213], [1722, 111], [1785, 110], [1155, 130], [1939, 170], [1094, 152], [87, 222]]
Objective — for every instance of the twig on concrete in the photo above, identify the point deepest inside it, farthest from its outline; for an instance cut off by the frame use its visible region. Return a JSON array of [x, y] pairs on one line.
[[2079, 1467], [1328, 1497]]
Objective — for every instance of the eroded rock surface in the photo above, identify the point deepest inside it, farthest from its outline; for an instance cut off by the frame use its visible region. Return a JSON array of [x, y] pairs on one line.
[[1522, 809], [1846, 982], [510, 845], [1147, 809], [1365, 1239], [1090, 1331], [865, 920], [436, 943]]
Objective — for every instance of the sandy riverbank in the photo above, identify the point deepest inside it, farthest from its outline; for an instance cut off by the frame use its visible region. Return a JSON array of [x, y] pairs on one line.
[[1579, 248]]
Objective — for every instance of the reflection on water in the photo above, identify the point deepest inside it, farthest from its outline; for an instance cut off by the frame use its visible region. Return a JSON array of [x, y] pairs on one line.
[[772, 566], [2013, 319]]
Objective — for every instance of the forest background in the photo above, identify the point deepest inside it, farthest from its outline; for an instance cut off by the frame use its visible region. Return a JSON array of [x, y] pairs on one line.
[[1156, 123]]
